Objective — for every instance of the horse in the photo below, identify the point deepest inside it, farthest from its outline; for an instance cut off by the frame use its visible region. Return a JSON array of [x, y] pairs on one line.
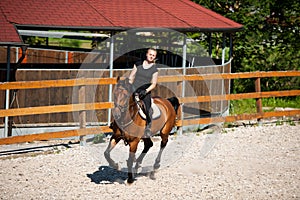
[[128, 125]]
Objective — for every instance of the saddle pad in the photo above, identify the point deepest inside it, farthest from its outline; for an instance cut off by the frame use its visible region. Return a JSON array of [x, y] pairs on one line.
[[156, 111]]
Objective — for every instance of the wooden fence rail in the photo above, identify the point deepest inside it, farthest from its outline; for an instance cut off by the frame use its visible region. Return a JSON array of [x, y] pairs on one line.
[[258, 95], [105, 81]]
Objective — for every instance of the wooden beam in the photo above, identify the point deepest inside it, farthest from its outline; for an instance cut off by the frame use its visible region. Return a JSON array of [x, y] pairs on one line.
[[235, 118], [53, 135], [82, 113], [239, 96], [285, 113], [105, 81], [55, 109], [202, 77], [259, 109], [56, 83], [257, 74], [106, 105], [106, 129]]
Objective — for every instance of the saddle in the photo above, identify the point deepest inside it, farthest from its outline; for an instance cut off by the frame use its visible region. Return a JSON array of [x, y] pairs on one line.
[[156, 111]]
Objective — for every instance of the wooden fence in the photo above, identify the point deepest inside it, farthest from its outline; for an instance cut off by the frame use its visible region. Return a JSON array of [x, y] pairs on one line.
[[100, 93], [81, 107]]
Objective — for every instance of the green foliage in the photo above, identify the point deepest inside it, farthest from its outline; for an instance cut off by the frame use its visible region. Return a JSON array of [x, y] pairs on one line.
[[282, 102], [62, 42], [270, 40], [249, 105], [35, 40], [242, 106], [291, 122]]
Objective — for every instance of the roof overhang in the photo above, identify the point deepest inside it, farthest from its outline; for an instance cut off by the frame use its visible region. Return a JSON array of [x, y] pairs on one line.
[[118, 29], [60, 34], [15, 44]]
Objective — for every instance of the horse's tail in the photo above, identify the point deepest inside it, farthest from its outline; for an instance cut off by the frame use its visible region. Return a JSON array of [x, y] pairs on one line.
[[175, 103]]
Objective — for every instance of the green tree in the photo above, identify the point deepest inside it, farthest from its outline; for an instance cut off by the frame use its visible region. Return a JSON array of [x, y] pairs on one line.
[[270, 39]]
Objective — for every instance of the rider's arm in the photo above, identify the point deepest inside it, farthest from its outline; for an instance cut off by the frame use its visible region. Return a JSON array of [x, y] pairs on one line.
[[132, 74], [153, 82]]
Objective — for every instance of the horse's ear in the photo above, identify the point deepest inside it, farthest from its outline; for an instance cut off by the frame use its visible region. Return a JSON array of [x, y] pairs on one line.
[[127, 80], [118, 78]]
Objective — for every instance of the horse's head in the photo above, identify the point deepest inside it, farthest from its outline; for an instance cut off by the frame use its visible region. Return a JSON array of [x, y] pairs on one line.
[[122, 93]]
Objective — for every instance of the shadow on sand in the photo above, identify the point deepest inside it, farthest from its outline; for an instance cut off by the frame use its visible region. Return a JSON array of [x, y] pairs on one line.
[[108, 175]]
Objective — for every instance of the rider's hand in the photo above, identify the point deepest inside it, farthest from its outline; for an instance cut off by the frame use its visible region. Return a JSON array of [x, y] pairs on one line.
[[142, 93]]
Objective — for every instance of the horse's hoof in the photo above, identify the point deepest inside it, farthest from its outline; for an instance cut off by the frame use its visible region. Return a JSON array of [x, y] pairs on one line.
[[115, 166], [130, 181], [137, 166], [156, 166], [152, 175]]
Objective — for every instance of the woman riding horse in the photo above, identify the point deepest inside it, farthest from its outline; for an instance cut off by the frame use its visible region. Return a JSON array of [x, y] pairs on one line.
[[144, 78], [129, 126]]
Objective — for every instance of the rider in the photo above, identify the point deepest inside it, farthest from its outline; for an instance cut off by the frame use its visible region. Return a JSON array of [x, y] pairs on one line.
[[144, 79]]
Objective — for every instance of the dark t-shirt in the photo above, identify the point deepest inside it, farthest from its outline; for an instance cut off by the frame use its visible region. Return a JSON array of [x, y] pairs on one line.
[[143, 76]]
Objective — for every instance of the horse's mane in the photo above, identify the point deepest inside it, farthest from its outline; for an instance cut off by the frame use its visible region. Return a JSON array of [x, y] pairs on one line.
[[125, 84]]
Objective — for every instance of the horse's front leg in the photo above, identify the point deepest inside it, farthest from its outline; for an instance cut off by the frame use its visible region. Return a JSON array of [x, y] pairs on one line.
[[131, 159], [112, 143]]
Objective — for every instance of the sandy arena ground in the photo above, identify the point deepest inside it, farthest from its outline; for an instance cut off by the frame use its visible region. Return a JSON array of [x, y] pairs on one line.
[[257, 162]]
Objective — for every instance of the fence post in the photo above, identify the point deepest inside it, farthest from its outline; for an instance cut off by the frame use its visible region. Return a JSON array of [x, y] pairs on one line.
[[258, 100], [82, 114]]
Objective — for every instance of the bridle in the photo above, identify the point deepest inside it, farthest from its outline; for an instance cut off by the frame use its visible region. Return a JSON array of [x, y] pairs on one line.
[[124, 108]]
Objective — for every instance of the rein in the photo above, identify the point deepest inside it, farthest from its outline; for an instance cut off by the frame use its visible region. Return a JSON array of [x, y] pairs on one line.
[[130, 110], [121, 123], [123, 109]]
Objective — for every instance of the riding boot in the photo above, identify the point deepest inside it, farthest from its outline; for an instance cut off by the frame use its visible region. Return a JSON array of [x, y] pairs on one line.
[[147, 132]]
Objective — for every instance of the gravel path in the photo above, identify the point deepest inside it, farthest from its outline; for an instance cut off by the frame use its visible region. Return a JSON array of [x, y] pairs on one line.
[[236, 163]]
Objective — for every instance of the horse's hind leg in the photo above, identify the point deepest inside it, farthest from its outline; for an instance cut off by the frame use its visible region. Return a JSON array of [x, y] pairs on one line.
[[112, 143], [163, 144], [147, 145]]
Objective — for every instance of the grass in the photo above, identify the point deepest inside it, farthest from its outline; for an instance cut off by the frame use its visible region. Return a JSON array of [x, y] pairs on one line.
[[249, 105]]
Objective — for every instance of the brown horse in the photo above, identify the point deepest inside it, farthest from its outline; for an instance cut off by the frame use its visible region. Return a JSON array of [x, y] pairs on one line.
[[129, 126]]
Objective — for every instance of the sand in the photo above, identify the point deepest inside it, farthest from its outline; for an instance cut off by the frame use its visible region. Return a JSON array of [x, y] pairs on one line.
[[252, 162]]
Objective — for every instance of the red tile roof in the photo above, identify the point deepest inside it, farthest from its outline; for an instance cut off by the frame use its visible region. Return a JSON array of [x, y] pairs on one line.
[[8, 33], [108, 15]]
